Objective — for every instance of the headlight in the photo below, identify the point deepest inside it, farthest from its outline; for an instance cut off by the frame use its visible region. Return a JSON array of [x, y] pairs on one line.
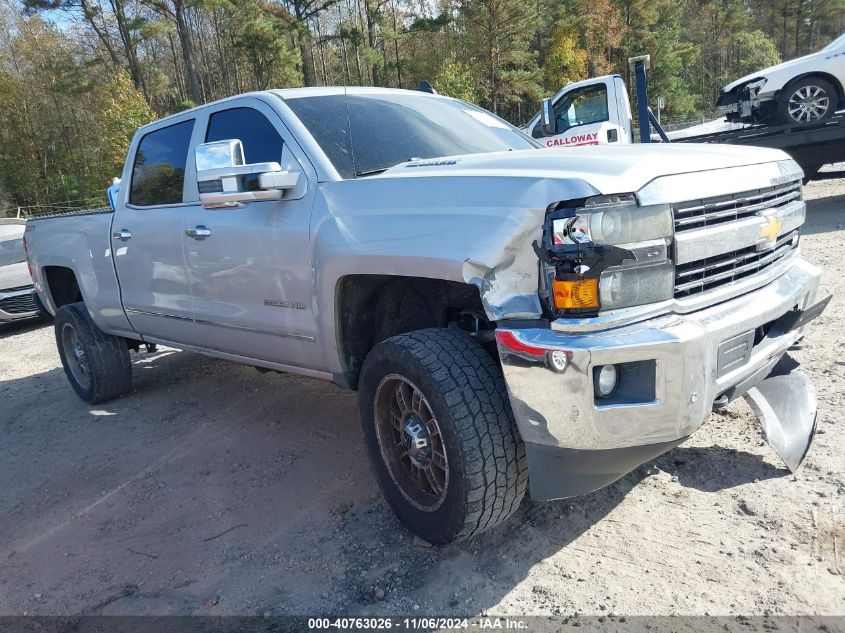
[[634, 270], [613, 223], [636, 285], [755, 86]]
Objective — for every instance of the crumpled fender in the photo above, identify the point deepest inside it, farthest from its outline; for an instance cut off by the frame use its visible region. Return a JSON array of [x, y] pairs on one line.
[[473, 228], [506, 273]]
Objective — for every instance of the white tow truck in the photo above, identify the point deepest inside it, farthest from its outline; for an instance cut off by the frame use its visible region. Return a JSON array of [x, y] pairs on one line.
[[597, 111]]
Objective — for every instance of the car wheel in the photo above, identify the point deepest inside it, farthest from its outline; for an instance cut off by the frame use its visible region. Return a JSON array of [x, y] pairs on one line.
[[441, 435], [807, 101], [96, 364]]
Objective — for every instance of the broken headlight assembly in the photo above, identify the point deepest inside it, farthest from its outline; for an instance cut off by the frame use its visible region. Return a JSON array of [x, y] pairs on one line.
[[605, 253]]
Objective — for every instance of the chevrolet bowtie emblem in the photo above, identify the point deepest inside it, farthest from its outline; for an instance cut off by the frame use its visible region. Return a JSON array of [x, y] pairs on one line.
[[771, 229]]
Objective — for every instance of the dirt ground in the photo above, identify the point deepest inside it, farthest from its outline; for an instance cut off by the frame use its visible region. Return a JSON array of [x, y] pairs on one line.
[[215, 489]]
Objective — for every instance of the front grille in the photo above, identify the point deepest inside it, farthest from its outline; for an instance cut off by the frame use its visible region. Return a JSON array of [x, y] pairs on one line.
[[724, 268], [15, 289], [18, 305], [705, 274], [700, 213]]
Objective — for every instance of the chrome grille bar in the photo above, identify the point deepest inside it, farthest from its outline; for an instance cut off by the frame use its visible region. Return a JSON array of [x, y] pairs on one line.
[[730, 259], [19, 304], [709, 273], [717, 211]]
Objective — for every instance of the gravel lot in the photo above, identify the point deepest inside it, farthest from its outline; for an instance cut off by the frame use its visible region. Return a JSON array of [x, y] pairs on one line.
[[215, 489]]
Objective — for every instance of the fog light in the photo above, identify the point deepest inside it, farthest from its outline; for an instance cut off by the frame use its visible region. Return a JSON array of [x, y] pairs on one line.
[[606, 380]]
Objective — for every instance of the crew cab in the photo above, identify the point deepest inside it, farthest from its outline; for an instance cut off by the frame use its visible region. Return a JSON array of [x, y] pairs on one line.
[[509, 317]]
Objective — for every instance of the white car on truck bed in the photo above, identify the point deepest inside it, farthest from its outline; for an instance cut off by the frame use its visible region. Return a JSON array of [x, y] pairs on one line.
[[803, 91], [509, 317]]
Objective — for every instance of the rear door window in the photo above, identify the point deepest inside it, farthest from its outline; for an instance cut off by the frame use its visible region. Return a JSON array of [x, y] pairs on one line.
[[158, 172], [261, 142]]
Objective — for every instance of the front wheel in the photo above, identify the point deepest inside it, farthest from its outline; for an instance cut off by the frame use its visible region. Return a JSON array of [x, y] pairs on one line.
[[96, 364], [807, 101], [441, 435]]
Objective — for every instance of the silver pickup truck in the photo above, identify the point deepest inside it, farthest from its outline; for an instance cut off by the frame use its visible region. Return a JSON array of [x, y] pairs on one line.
[[509, 317]]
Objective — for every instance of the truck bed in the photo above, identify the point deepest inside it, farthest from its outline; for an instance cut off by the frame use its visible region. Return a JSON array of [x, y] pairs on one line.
[[80, 241], [811, 146]]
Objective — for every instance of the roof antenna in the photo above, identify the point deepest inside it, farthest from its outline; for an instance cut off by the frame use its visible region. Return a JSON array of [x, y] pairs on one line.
[[425, 86]]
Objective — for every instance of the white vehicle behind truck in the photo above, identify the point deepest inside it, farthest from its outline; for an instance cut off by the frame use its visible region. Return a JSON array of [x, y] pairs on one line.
[[509, 316], [18, 300]]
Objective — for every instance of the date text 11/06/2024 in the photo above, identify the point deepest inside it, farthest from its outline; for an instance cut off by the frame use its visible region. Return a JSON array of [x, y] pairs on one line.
[[481, 623]]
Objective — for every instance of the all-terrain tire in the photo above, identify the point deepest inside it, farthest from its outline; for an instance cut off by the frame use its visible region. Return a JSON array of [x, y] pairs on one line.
[[107, 370], [465, 391]]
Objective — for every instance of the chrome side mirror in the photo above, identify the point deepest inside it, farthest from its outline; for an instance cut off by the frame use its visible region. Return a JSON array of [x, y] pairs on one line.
[[225, 180], [219, 154]]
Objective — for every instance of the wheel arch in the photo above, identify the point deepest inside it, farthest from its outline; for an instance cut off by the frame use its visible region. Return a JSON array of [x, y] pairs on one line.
[[372, 308], [61, 286], [837, 85]]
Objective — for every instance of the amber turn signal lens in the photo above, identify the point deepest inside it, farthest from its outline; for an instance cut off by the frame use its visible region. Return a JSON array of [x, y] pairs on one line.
[[576, 294]]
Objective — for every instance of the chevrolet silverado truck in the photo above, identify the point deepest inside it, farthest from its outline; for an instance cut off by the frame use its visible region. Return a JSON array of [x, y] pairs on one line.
[[509, 317]]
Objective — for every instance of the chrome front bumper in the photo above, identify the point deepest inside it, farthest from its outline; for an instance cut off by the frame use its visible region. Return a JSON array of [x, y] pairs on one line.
[[684, 362]]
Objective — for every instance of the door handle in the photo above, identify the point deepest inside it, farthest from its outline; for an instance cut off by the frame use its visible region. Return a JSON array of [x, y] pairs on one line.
[[198, 232], [121, 235]]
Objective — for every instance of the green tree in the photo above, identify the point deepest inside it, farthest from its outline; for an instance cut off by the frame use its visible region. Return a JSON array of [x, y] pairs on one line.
[[455, 80], [753, 50], [498, 35], [566, 61]]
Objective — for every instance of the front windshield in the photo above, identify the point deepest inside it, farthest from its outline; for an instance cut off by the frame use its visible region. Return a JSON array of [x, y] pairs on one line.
[[11, 252], [839, 41], [366, 134]]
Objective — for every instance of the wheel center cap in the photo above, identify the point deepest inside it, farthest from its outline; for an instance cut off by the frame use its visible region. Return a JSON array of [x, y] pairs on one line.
[[416, 441]]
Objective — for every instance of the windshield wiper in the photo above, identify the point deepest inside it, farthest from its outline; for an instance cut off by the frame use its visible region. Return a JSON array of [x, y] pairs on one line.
[[370, 172]]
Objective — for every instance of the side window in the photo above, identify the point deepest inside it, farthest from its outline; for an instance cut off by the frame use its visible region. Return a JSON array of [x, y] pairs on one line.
[[261, 141], [581, 107], [158, 173]]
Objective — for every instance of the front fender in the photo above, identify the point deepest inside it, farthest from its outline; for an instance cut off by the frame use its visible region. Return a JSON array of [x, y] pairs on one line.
[[470, 229]]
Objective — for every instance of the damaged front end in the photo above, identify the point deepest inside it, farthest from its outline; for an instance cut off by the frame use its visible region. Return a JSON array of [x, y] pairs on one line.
[[785, 403], [747, 103], [629, 363]]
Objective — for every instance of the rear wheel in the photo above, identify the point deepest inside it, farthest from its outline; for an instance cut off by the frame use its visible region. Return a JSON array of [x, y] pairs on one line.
[[807, 101], [96, 364], [440, 433]]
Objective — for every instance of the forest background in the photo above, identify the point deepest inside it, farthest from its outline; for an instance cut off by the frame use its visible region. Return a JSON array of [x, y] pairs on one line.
[[77, 77]]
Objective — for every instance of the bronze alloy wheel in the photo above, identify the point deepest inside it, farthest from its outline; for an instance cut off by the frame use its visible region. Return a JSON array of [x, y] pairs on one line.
[[411, 442], [77, 360]]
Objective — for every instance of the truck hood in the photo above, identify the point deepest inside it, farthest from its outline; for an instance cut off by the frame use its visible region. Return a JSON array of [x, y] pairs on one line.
[[609, 169], [789, 66]]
